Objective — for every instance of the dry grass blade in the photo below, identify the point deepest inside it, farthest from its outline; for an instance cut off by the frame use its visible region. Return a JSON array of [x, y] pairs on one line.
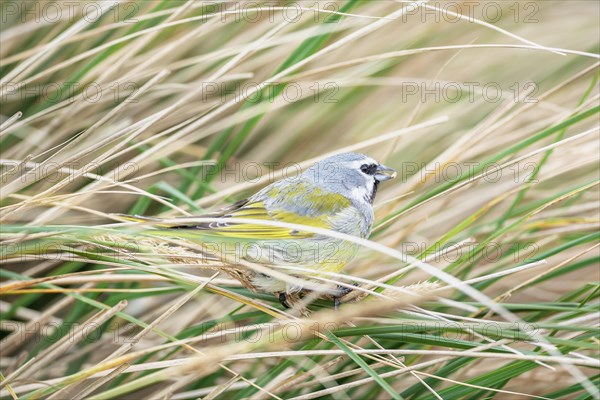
[[479, 278]]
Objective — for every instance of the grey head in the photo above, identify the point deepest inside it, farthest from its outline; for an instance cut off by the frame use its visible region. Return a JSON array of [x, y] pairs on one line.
[[353, 175]]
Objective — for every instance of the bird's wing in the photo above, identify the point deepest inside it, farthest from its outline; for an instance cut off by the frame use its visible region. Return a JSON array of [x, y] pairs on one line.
[[300, 203]]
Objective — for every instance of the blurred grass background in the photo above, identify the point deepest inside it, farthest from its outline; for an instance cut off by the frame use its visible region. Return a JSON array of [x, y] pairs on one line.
[[173, 108]]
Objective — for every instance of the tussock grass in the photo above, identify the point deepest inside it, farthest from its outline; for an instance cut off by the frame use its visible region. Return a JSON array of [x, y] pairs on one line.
[[480, 279]]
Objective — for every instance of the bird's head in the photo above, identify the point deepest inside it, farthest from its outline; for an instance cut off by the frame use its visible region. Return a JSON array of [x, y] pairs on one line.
[[354, 175]]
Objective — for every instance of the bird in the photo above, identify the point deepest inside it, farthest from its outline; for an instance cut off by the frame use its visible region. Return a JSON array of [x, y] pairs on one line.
[[336, 193]]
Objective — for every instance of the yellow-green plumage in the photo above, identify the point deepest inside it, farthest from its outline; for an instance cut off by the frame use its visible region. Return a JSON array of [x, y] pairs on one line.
[[340, 202]]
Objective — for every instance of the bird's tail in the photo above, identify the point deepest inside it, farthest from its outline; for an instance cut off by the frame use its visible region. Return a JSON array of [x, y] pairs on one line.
[[139, 218], [183, 230]]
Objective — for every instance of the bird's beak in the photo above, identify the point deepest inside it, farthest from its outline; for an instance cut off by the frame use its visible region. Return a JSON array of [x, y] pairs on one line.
[[384, 173]]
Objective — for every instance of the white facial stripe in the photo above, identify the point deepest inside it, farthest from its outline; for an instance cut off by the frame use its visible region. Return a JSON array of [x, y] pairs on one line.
[[363, 192]]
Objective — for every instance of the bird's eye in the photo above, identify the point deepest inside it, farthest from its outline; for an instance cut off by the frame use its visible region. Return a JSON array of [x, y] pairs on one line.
[[368, 169]]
